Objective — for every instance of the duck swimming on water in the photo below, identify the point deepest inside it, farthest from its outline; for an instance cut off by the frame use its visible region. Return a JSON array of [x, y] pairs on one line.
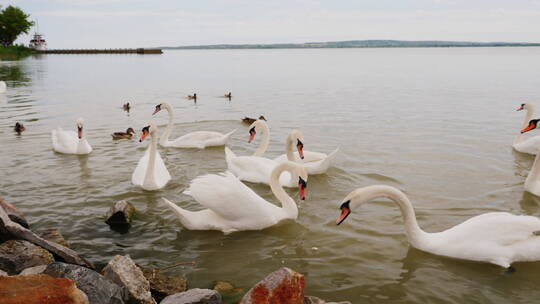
[[126, 107], [194, 96], [123, 135], [249, 120], [19, 128]]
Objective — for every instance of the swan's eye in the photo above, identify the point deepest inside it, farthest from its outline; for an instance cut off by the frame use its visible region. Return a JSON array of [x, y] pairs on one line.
[[302, 183]]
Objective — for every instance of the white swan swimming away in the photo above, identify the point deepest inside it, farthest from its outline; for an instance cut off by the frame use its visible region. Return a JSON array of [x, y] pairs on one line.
[[255, 168], [531, 144], [232, 206], [71, 142], [499, 238], [150, 173], [3, 87], [314, 162], [197, 139]]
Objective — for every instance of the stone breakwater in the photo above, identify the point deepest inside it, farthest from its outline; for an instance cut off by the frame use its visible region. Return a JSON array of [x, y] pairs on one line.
[[42, 268]]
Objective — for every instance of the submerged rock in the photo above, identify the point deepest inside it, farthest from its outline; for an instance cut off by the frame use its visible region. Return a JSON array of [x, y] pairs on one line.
[[54, 235], [120, 215], [16, 255], [33, 270], [281, 286], [123, 271], [98, 289], [228, 291], [163, 285], [194, 296], [315, 300], [40, 289]]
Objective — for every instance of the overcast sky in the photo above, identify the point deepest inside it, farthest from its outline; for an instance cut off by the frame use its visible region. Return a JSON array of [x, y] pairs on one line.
[[146, 23]]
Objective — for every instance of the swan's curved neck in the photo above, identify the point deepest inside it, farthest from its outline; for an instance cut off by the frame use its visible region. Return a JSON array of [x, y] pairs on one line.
[[528, 117], [289, 148], [287, 203], [81, 145], [149, 176], [265, 140], [534, 174], [415, 235], [168, 130]]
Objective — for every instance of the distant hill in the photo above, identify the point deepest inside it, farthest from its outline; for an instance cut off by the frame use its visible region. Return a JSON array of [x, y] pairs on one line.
[[356, 44]]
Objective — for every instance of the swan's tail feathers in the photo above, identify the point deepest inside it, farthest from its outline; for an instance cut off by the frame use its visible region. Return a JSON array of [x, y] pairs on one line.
[[229, 155], [327, 162], [229, 135], [182, 214]]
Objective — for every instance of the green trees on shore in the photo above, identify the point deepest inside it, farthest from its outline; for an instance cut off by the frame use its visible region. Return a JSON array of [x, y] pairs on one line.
[[13, 22]]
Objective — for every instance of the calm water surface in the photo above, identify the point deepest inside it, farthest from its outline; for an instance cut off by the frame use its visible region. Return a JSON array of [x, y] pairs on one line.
[[436, 123]]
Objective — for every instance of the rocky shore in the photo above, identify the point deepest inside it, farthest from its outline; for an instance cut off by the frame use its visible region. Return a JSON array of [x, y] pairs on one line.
[[42, 268]]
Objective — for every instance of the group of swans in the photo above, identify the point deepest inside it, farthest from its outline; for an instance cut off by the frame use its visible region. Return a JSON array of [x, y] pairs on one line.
[[498, 238], [257, 169], [530, 145]]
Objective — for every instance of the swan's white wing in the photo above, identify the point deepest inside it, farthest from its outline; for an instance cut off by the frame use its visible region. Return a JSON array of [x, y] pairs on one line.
[[253, 169], [64, 141], [161, 173], [314, 162], [137, 178], [200, 139], [228, 197], [530, 145], [495, 237]]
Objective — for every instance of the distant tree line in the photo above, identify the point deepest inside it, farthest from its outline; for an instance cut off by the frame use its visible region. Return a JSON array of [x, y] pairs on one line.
[[13, 22]]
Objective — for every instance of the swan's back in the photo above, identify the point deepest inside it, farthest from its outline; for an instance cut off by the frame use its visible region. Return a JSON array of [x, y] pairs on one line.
[[3, 87], [530, 145], [64, 141], [200, 139], [231, 199], [495, 237]]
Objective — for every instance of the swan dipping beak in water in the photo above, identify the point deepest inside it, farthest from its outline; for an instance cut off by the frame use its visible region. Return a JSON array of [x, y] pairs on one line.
[[498, 238]]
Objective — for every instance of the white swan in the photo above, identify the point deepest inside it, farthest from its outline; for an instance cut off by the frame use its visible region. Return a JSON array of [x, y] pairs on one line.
[[150, 173], [198, 139], [71, 142], [532, 182], [314, 162], [232, 206], [3, 87], [531, 144], [499, 238], [255, 168]]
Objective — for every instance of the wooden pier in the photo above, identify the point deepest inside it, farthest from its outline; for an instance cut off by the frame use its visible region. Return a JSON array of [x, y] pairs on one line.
[[103, 51]]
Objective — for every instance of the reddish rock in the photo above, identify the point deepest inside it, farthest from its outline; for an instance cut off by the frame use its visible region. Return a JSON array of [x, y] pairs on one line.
[[39, 289], [281, 286]]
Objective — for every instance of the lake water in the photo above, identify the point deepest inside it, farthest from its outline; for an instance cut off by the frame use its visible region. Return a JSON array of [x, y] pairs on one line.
[[436, 123]]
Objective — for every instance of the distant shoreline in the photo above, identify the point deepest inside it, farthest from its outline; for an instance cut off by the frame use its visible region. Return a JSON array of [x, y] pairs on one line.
[[354, 44]]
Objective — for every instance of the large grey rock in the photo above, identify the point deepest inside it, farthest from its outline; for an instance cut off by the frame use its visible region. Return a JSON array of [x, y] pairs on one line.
[[33, 270], [194, 296], [281, 286], [40, 289], [315, 300], [123, 271], [163, 285], [54, 235], [98, 289], [16, 255]]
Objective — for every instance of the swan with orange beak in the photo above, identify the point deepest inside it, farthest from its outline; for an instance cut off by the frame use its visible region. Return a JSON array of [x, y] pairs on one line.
[[150, 173], [70, 142]]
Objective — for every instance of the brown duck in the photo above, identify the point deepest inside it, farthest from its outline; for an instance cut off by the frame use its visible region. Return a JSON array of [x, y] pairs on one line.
[[248, 120], [123, 135], [19, 128]]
